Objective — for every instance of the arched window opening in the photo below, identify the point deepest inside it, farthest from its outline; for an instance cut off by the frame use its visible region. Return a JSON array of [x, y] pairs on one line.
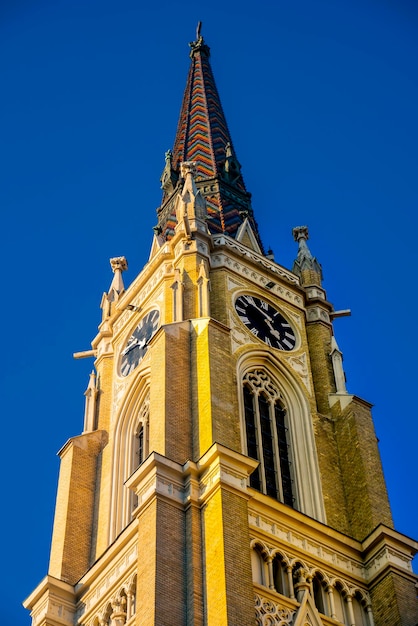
[[340, 605], [130, 450], [139, 447], [319, 595], [280, 577], [259, 568], [132, 599], [359, 611], [250, 427], [267, 437]]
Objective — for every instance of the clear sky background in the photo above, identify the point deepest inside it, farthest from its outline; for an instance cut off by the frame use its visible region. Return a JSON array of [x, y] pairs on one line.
[[321, 101]]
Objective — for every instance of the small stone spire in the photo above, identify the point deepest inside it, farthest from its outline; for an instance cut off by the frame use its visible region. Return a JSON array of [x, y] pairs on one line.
[[232, 167], [118, 264], [191, 209], [306, 266], [169, 177], [337, 365], [90, 405]]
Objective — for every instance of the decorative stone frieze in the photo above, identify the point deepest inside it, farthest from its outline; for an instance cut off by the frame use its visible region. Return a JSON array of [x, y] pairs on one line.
[[259, 259], [313, 292], [317, 549], [386, 548], [317, 313], [52, 602]]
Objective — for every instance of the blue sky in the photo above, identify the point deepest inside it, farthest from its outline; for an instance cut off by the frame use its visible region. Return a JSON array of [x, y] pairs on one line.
[[321, 100]]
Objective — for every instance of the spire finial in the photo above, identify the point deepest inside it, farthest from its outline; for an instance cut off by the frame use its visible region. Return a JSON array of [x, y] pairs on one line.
[[301, 235], [199, 44]]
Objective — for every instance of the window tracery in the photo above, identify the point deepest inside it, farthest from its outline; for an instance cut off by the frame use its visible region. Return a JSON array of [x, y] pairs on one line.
[[267, 437], [269, 390]]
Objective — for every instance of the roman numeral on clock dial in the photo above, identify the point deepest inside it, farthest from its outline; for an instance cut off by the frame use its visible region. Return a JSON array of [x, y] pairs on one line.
[[265, 322]]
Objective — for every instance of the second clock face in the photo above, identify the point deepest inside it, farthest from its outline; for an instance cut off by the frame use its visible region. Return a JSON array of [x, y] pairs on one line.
[[265, 322], [137, 344]]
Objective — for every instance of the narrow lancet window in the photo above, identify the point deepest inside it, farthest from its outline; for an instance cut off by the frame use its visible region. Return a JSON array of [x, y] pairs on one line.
[[250, 427], [267, 437], [139, 453]]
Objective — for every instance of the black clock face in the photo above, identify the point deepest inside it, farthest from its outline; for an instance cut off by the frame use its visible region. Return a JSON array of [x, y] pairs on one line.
[[265, 322], [137, 344]]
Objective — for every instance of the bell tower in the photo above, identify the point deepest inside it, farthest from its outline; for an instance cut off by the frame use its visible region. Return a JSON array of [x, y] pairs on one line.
[[225, 476]]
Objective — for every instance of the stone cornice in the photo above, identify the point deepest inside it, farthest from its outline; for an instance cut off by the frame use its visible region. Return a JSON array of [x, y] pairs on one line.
[[385, 548], [52, 603], [192, 482], [221, 466]]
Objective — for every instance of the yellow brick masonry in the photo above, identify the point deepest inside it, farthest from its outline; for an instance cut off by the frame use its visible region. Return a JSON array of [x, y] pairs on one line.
[[73, 522], [170, 393], [161, 589], [214, 390], [104, 366], [364, 484], [194, 569], [226, 560]]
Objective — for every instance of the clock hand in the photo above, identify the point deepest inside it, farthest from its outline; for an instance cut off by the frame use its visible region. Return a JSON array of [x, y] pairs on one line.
[[136, 343], [266, 315], [274, 332], [130, 347]]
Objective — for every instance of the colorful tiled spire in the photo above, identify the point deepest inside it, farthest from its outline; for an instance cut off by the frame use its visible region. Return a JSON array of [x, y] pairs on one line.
[[203, 137]]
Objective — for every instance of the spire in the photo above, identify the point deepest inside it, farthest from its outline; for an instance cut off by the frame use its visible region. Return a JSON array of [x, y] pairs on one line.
[[305, 265], [203, 137]]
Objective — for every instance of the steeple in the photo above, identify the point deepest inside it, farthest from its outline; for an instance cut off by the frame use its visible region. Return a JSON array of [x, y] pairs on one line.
[[203, 137]]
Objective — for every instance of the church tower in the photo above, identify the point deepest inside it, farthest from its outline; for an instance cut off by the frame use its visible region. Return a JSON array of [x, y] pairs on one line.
[[224, 476]]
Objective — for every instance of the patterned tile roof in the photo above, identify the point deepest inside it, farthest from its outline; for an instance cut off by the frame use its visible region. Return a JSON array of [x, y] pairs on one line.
[[203, 136]]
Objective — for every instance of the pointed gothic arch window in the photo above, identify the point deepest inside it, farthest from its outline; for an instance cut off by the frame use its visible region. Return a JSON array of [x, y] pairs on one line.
[[267, 437], [131, 449], [319, 594], [280, 577], [139, 445]]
